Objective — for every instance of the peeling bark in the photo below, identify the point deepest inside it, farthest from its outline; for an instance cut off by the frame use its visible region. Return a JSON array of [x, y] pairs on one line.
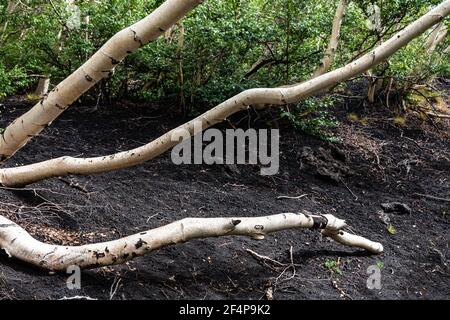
[[20, 176], [19, 244]]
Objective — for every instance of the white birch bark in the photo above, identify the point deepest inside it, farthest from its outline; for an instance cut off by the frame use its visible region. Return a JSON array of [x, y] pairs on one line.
[[42, 86], [440, 37], [10, 8], [334, 40], [99, 66], [19, 244], [433, 35], [24, 175]]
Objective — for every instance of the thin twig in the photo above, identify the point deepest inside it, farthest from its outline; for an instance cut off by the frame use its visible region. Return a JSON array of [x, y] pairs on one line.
[[290, 266], [345, 185], [77, 298], [293, 197], [74, 185], [443, 259], [439, 115], [341, 291], [115, 285], [262, 258], [432, 197]]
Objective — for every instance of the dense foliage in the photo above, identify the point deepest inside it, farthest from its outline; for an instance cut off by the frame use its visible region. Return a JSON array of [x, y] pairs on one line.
[[208, 56]]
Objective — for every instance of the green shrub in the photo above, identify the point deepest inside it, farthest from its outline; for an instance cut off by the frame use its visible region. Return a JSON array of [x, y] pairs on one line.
[[311, 116], [11, 80], [222, 40]]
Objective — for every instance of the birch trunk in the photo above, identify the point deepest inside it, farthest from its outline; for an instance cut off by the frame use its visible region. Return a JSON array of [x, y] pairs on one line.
[[334, 40], [19, 244], [86, 21], [99, 66], [267, 58], [438, 39], [10, 8], [182, 100], [20, 176], [375, 85], [433, 35], [42, 87]]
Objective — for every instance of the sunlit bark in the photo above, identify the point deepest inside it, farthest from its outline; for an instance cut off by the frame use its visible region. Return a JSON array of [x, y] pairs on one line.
[[99, 66], [24, 175]]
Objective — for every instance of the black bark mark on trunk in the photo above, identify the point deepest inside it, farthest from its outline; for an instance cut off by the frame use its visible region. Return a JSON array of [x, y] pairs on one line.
[[140, 243], [7, 226]]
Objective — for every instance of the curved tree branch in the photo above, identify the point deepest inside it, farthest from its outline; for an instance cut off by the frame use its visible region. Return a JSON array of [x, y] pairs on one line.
[[19, 244], [328, 59], [99, 66], [24, 175], [438, 38]]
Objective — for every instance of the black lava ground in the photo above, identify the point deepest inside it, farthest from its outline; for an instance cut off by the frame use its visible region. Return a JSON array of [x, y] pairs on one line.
[[376, 162]]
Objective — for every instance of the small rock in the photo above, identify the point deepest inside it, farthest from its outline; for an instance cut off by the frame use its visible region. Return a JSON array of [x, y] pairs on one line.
[[396, 207], [384, 217]]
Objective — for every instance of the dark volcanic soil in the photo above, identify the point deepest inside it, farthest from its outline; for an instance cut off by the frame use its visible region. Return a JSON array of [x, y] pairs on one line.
[[377, 162]]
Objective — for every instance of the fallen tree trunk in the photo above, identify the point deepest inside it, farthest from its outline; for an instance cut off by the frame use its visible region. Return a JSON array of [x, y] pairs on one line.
[[19, 244], [20, 176], [99, 66], [42, 86], [440, 37]]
